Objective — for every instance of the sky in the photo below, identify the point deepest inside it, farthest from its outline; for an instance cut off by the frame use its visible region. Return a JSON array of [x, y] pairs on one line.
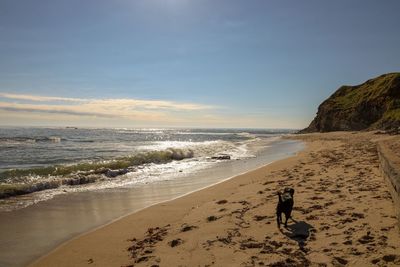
[[187, 63]]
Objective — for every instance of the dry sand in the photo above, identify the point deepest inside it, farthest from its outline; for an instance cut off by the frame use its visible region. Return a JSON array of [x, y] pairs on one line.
[[343, 211]]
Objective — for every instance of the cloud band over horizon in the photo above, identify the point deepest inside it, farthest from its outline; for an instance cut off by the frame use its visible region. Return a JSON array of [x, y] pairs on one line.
[[127, 108], [39, 110]]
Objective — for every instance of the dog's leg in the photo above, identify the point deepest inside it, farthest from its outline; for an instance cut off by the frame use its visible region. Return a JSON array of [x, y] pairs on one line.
[[287, 216], [278, 210], [278, 219]]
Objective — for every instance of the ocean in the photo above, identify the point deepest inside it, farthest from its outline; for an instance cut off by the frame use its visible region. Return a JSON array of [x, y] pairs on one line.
[[37, 164]]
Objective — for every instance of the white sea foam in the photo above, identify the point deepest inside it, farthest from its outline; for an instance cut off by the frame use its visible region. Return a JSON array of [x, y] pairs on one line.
[[202, 146]]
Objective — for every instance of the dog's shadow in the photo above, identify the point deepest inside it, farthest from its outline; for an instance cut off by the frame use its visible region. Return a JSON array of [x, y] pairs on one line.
[[298, 231]]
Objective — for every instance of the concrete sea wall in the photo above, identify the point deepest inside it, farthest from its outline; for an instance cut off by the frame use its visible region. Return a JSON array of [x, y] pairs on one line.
[[390, 168]]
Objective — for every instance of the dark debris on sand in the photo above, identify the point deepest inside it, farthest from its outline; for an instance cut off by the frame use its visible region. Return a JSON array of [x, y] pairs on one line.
[[142, 249]]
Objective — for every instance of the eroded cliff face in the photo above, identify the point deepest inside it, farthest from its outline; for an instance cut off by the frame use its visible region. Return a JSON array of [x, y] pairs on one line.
[[374, 104]]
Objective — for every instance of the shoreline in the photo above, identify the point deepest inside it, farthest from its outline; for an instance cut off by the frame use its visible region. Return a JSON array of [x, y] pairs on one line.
[[38, 262], [350, 221], [166, 202], [46, 225]]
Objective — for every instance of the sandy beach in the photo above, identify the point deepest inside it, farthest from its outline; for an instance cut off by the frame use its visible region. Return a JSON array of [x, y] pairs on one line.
[[343, 213]]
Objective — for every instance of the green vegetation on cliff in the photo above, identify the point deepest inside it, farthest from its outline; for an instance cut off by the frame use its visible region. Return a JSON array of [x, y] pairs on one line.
[[374, 104]]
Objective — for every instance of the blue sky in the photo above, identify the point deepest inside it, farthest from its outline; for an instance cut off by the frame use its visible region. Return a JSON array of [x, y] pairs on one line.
[[187, 63]]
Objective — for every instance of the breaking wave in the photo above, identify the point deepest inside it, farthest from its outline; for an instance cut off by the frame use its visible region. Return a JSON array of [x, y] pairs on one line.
[[24, 181], [29, 140]]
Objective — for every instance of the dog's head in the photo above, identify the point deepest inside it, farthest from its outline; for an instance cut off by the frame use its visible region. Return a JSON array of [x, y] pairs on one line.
[[286, 195], [289, 190]]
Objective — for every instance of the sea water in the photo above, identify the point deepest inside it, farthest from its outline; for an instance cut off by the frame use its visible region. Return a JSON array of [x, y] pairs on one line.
[[37, 164]]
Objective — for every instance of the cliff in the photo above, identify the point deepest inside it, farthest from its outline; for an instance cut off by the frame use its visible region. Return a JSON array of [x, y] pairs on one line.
[[374, 104]]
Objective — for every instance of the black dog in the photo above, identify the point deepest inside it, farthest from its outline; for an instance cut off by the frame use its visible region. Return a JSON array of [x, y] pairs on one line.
[[285, 205]]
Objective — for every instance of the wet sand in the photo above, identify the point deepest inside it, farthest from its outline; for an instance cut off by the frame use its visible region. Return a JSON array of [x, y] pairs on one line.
[[343, 215]]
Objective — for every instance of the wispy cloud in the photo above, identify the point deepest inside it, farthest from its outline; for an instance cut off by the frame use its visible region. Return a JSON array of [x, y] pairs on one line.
[[146, 104], [131, 109], [22, 109], [112, 103], [36, 109], [39, 98]]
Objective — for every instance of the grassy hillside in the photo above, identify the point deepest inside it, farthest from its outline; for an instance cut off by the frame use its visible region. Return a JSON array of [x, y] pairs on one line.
[[374, 104]]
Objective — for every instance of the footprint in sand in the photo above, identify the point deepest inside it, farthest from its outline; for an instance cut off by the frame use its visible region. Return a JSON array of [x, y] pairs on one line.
[[175, 242], [185, 227], [329, 203], [358, 215], [339, 261], [312, 217], [341, 212], [366, 239], [349, 231], [259, 217], [212, 218], [324, 228], [391, 258], [316, 198], [382, 241], [268, 182], [348, 242], [356, 252]]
